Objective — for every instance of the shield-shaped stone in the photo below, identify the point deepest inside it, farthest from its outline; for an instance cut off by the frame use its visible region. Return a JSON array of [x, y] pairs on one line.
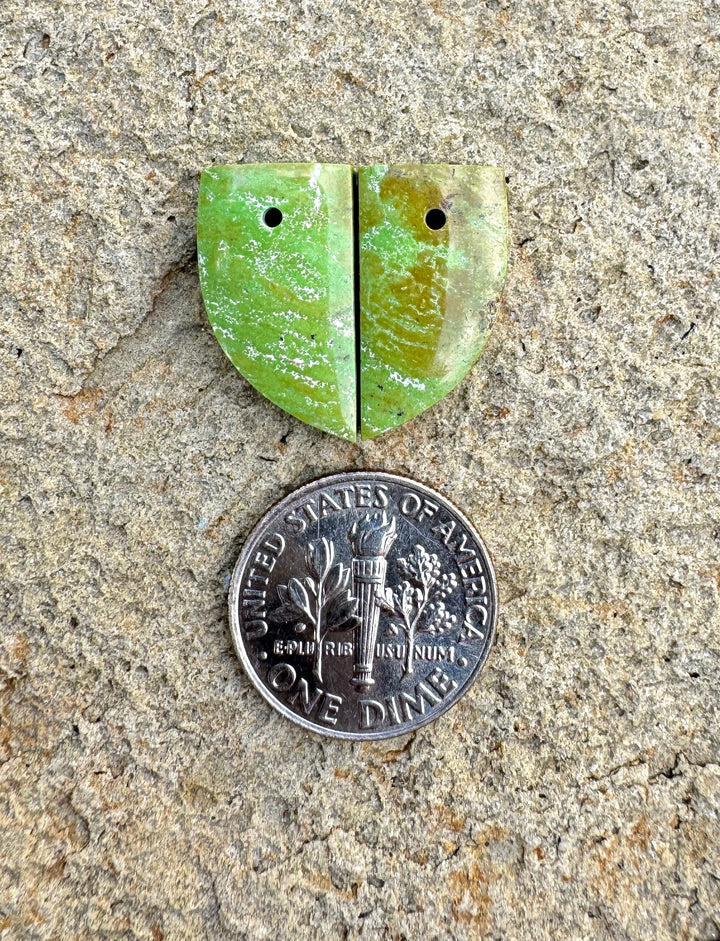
[[275, 255], [433, 256], [276, 258]]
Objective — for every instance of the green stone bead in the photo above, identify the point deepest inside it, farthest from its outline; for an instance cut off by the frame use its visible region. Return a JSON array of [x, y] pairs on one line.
[[280, 298], [425, 294]]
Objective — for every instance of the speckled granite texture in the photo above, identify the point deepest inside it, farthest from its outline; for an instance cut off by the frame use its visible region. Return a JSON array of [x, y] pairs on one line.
[[146, 791]]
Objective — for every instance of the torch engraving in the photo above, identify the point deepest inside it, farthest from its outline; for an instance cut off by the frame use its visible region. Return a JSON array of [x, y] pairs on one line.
[[371, 538]]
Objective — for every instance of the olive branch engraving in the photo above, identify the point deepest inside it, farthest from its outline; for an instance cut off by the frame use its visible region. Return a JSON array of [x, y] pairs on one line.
[[416, 605], [321, 602]]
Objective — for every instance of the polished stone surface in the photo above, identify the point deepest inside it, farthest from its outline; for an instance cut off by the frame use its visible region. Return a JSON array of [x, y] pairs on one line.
[[275, 257], [433, 257]]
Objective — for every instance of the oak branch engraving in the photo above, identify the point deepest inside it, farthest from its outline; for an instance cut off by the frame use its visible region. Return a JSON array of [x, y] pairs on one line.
[[417, 605]]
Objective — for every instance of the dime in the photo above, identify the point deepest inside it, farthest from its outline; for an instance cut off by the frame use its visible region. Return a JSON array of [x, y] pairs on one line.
[[363, 605]]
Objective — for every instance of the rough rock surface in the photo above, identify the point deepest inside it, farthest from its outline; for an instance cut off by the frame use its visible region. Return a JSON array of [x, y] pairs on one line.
[[146, 791]]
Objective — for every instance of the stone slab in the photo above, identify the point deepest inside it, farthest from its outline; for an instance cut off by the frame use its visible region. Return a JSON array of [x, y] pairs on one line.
[[427, 288], [279, 292]]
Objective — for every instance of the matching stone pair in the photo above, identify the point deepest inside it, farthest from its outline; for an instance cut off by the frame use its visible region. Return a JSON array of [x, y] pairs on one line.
[[353, 300]]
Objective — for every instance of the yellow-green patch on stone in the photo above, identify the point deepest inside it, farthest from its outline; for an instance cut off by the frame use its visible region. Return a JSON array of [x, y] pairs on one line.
[[425, 293]]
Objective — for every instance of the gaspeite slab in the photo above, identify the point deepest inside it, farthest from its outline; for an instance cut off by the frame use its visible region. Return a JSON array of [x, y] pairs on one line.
[[275, 255], [433, 257], [276, 251]]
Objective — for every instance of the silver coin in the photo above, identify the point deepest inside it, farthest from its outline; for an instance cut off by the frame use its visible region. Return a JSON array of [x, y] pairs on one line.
[[363, 605]]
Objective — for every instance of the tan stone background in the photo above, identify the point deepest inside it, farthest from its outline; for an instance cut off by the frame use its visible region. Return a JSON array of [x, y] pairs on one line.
[[146, 790]]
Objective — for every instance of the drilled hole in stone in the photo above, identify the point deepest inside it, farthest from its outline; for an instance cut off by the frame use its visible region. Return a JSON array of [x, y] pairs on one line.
[[273, 217], [435, 219]]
